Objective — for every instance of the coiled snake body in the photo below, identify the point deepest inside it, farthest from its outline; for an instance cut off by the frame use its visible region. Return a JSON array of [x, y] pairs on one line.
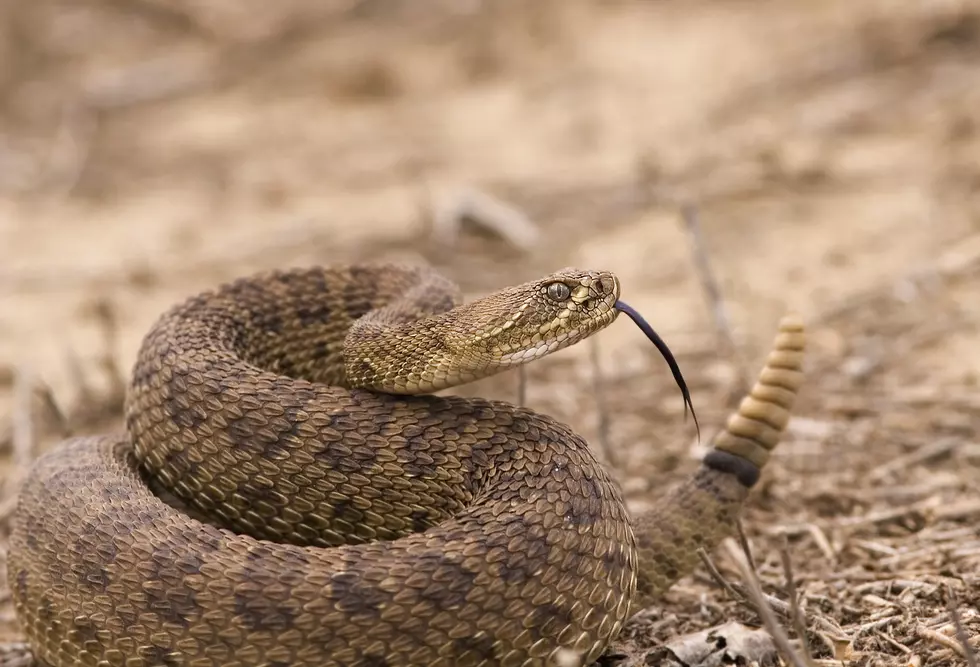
[[376, 525]]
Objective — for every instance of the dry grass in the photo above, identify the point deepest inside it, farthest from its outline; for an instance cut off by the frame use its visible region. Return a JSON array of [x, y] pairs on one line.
[[149, 150]]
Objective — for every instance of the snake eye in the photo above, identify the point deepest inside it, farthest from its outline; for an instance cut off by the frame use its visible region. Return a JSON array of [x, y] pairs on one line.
[[558, 291]]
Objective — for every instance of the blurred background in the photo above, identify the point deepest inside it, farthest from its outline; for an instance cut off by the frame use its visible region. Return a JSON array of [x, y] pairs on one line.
[[827, 153]]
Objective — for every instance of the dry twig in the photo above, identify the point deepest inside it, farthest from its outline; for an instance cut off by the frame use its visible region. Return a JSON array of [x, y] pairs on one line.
[[719, 579], [739, 593], [743, 542], [522, 386], [602, 407], [762, 608], [108, 321], [799, 623], [709, 284], [23, 419], [891, 642], [918, 457], [961, 636], [930, 635], [488, 212]]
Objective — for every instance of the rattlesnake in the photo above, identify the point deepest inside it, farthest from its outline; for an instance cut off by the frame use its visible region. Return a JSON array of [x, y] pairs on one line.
[[359, 526]]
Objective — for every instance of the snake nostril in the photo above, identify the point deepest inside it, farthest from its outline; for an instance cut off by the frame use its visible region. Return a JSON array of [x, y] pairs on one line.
[[608, 284]]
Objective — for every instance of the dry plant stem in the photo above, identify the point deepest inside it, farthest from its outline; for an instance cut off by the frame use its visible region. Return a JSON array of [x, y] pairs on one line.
[[963, 259], [799, 623], [504, 220], [743, 542], [822, 542], [921, 455], [739, 593], [719, 579], [930, 635], [7, 507], [86, 394], [885, 515], [71, 150], [55, 413], [762, 608], [875, 625], [22, 439], [709, 283], [891, 642], [168, 17], [23, 421], [522, 386], [108, 320], [601, 406], [967, 652]]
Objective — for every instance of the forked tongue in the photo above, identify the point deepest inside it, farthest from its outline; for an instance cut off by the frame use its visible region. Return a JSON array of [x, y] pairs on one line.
[[668, 357]]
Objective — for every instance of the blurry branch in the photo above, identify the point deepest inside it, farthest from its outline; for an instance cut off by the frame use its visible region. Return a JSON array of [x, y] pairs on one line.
[[960, 260], [743, 542], [13, 435], [151, 80], [54, 164], [487, 212], [164, 14], [22, 426], [72, 147], [54, 413], [957, 646], [161, 14], [108, 319], [919, 456], [799, 622], [522, 385], [712, 292], [602, 406], [22, 438], [225, 56], [966, 651], [91, 407], [238, 56], [761, 605], [792, 611]]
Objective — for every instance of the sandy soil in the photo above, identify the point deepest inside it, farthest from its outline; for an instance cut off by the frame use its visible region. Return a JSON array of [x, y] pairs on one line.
[[149, 150]]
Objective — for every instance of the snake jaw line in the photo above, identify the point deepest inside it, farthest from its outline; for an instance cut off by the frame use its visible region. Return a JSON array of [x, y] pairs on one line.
[[538, 350]]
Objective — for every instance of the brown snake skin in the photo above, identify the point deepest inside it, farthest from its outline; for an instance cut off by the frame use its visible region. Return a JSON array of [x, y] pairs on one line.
[[348, 527]]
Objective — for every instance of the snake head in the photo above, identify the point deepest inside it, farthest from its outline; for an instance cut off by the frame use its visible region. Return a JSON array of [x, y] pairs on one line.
[[423, 343], [540, 317], [526, 322]]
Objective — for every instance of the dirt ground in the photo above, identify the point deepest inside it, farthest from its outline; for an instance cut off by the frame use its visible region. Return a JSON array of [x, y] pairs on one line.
[[152, 149]]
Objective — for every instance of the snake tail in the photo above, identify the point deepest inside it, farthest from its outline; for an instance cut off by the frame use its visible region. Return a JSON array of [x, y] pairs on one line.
[[703, 510]]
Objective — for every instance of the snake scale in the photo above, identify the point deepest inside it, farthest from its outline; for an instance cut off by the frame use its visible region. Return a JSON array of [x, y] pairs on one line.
[[326, 508]]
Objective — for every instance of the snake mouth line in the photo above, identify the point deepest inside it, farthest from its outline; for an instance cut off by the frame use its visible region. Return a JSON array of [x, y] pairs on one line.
[[667, 355]]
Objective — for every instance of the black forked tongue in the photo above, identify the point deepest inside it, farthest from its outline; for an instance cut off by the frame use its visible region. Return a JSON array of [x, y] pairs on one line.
[[668, 357]]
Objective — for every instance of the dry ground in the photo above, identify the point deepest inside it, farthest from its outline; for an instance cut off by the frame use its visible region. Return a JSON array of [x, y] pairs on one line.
[[151, 149]]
